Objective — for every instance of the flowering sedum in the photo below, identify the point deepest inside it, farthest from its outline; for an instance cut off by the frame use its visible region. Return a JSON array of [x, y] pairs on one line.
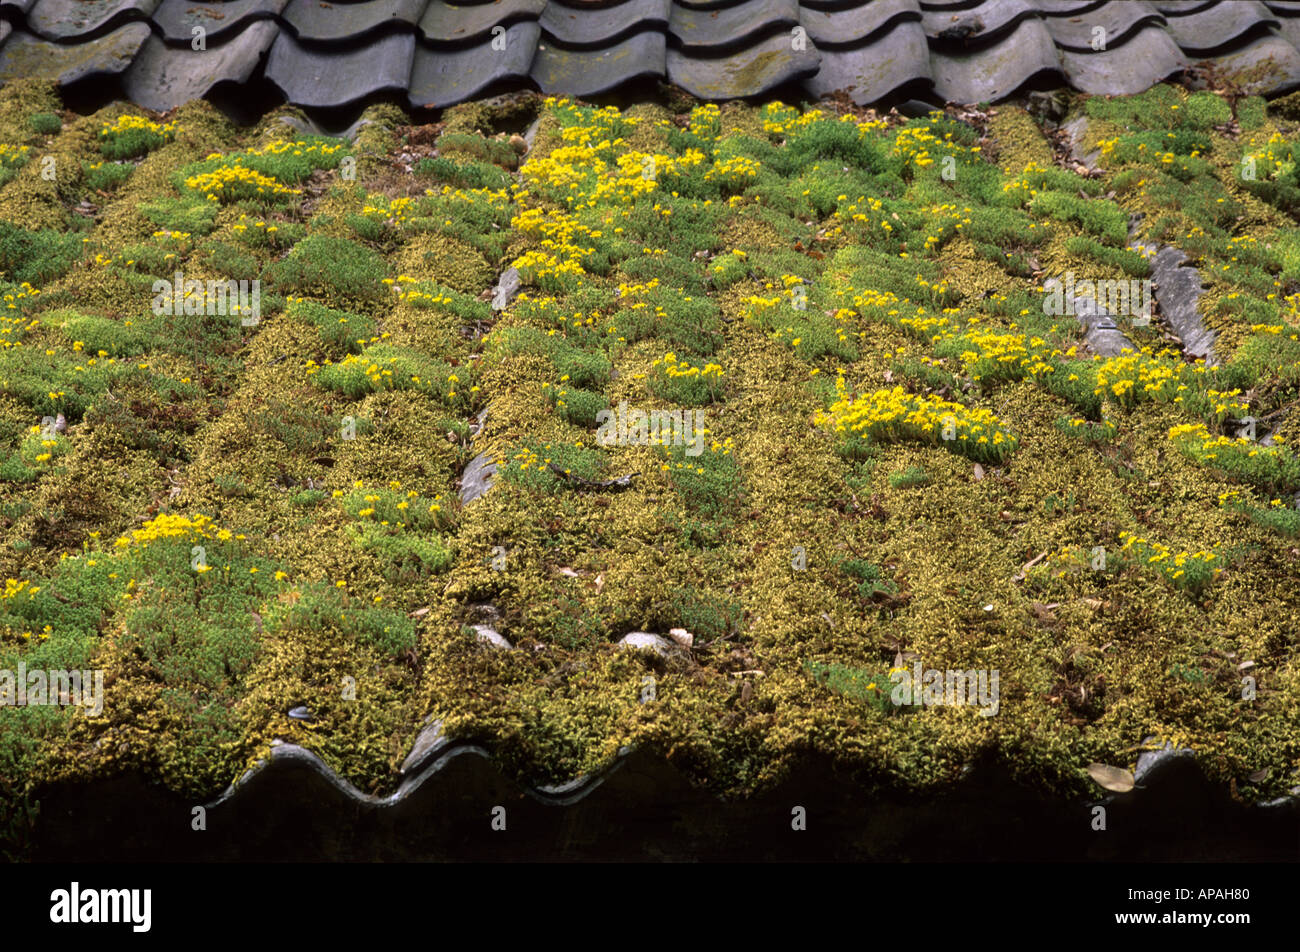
[[898, 416]]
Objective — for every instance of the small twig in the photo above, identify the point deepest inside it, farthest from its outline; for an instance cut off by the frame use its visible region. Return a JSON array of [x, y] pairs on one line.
[[622, 482], [1277, 412]]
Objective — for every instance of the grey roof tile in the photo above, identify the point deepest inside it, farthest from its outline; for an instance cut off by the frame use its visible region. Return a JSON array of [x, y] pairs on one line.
[[1119, 19], [177, 18], [708, 4], [25, 56], [1267, 66], [852, 25], [164, 77], [1144, 60], [577, 27], [1060, 8], [767, 64], [1178, 8], [328, 54], [1217, 26], [872, 72], [1289, 29], [67, 19], [997, 70], [699, 31], [975, 24], [447, 23], [588, 72], [444, 77], [323, 22], [325, 79]]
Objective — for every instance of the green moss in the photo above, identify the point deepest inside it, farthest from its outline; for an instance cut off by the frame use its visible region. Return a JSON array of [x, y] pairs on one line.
[[798, 569], [36, 257], [909, 478], [45, 123], [334, 268]]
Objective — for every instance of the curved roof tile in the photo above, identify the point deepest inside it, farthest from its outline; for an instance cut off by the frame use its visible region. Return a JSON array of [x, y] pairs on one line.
[[318, 21], [1181, 8], [978, 24], [1064, 8], [853, 24], [1268, 66], [24, 55], [577, 28], [998, 70], [441, 78], [178, 18], [877, 70], [1143, 61], [71, 19], [1119, 21], [326, 54], [698, 31], [588, 72], [1219, 26], [765, 65], [447, 23], [322, 80], [164, 77]]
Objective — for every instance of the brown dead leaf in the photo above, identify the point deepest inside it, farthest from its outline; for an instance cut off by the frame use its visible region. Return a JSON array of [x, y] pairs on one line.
[[979, 472], [1043, 612], [1112, 778], [418, 613]]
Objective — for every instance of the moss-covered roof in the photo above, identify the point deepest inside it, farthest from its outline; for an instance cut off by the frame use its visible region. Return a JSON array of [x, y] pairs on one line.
[[893, 453]]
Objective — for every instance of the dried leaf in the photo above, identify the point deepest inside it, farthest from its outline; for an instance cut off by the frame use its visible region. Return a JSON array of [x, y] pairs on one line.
[[1259, 776], [979, 472], [569, 572], [1112, 778], [418, 613], [1042, 612]]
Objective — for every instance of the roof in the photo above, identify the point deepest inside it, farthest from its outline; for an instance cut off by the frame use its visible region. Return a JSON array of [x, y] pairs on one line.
[[887, 433], [434, 54]]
